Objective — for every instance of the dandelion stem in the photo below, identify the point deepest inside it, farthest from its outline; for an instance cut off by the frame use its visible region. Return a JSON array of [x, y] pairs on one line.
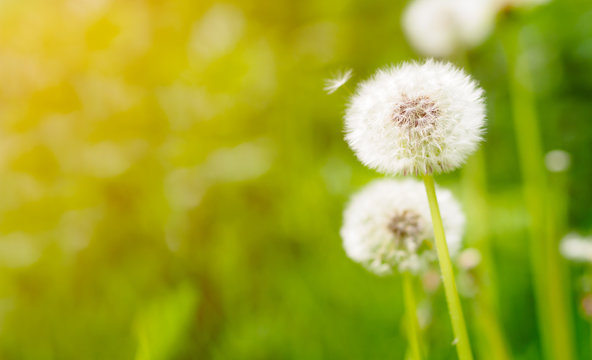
[[412, 325], [459, 328]]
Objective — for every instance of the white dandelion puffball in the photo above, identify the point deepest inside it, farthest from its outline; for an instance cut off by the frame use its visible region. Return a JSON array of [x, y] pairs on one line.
[[416, 118], [441, 27], [387, 226], [577, 248]]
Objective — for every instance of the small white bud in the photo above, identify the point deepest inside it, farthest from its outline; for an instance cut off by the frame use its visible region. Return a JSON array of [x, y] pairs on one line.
[[557, 160], [577, 248], [469, 259]]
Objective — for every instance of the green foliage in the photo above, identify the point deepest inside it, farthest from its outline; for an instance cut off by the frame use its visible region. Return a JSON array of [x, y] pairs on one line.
[[172, 177], [161, 325]]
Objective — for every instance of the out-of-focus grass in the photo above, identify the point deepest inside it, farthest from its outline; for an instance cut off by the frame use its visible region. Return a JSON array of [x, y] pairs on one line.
[[177, 165]]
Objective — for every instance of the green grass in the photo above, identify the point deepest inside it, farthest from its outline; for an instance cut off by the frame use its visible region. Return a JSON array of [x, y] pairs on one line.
[[136, 208]]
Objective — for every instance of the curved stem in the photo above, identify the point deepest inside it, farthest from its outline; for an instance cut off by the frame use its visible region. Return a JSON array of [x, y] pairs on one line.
[[411, 317], [463, 347]]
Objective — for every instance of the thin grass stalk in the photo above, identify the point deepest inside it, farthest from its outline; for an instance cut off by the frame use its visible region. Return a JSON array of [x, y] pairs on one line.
[[413, 332], [486, 306], [552, 308], [474, 181]]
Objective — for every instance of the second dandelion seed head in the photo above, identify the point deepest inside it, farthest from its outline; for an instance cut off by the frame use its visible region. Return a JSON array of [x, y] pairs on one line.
[[387, 226]]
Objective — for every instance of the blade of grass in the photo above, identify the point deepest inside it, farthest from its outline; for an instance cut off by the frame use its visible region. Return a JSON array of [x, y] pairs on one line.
[[474, 181], [411, 317], [485, 305], [552, 308]]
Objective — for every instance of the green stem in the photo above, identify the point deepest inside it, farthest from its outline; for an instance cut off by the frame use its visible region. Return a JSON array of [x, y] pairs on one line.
[[412, 325], [476, 198], [487, 323], [486, 303], [552, 308], [463, 347], [476, 204]]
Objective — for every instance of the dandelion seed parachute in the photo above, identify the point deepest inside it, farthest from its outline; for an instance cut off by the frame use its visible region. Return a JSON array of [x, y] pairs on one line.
[[387, 226], [416, 118], [331, 85]]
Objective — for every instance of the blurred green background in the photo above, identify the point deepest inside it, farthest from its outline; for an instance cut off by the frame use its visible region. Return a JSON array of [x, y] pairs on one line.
[[172, 177]]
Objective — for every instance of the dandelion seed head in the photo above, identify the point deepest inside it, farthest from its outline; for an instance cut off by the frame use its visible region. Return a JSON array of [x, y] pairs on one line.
[[387, 226], [405, 224], [331, 85], [576, 248], [557, 160], [441, 27], [416, 118]]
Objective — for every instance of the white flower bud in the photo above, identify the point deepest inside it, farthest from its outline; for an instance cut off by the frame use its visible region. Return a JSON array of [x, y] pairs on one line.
[[557, 160]]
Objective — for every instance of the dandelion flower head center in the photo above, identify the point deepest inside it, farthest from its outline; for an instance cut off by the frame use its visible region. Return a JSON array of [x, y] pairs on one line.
[[407, 232], [417, 113], [405, 224], [417, 119]]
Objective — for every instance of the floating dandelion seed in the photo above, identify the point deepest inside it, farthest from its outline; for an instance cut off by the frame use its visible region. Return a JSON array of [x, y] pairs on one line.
[[441, 27], [576, 248], [387, 226], [331, 85], [416, 118]]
